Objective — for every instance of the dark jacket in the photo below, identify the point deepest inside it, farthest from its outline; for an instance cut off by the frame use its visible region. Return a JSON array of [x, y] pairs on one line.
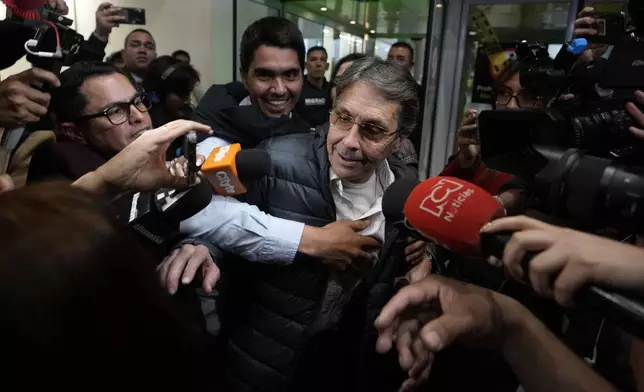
[[267, 309], [65, 159]]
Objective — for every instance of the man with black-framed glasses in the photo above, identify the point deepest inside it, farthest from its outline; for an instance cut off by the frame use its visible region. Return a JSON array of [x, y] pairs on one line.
[[98, 112]]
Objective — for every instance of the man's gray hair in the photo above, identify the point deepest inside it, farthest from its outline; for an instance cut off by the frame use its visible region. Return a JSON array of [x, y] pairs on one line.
[[393, 83]]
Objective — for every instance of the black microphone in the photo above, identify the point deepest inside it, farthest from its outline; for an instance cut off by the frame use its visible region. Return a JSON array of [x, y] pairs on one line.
[[393, 202], [157, 215], [625, 312]]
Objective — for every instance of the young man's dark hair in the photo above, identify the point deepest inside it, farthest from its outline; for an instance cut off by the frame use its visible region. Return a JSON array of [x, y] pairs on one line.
[[179, 54], [403, 44], [270, 31], [67, 101], [137, 31], [317, 48]]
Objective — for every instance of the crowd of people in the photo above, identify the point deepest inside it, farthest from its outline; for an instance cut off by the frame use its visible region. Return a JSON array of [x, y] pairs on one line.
[[301, 284]]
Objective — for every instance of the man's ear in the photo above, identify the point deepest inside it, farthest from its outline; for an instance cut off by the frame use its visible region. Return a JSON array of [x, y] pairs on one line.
[[71, 131], [326, 67]]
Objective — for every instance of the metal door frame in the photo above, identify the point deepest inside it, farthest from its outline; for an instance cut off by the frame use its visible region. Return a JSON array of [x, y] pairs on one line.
[[442, 94]]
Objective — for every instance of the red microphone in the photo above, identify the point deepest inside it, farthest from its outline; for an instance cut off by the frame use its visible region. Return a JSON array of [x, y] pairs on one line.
[[451, 212]]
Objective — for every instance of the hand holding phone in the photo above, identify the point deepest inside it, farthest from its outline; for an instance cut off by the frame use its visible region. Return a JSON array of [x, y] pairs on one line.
[[190, 154]]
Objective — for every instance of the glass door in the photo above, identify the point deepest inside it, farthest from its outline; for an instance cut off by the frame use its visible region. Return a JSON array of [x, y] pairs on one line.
[[479, 36]]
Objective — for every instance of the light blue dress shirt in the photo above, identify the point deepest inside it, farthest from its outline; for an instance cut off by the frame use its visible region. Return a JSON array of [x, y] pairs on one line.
[[243, 229]]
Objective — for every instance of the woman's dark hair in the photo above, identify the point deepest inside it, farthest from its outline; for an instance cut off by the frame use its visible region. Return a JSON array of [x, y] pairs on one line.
[[270, 31], [347, 58], [169, 75], [511, 68], [79, 296]]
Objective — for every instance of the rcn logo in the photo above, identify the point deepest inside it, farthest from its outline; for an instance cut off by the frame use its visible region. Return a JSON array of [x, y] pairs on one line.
[[221, 154], [443, 202]]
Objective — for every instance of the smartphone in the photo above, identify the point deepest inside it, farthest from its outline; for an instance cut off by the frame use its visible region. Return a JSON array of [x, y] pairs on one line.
[[133, 16], [611, 27], [190, 153]]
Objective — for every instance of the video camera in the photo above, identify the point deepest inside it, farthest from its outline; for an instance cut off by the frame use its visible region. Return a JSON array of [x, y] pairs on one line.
[[54, 44], [577, 155]]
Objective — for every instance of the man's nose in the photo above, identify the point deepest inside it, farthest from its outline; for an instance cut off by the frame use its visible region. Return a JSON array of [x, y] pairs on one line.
[[352, 138], [513, 104], [136, 116], [279, 87]]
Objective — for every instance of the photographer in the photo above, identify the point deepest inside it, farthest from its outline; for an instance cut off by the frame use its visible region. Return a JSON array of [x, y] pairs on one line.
[[466, 163]]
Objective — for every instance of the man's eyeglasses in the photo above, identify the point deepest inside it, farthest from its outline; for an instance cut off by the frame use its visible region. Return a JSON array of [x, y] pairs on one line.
[[119, 112], [370, 132], [523, 98]]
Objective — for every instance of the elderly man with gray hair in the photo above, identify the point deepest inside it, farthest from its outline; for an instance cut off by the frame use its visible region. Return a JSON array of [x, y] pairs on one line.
[[308, 325]]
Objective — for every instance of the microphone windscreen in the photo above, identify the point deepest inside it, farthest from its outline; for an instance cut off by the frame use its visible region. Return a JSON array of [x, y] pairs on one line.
[[186, 203], [451, 212], [24, 4], [252, 164], [393, 201]]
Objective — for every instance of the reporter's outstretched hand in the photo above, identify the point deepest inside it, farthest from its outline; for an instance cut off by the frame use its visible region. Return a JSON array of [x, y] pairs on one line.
[[428, 316], [141, 165], [568, 259]]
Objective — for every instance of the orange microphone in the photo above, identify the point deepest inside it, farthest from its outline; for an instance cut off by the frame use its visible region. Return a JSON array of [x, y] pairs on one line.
[[227, 167], [451, 212]]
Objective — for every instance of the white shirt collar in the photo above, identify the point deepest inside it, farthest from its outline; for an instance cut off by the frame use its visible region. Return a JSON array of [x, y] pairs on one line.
[[383, 174]]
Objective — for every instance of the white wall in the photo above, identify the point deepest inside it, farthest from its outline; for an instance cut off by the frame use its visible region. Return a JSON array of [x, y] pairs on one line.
[[201, 27]]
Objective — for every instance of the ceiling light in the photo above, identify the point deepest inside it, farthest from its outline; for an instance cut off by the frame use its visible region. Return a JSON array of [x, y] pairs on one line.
[[373, 31], [353, 22], [439, 5], [472, 32], [323, 9]]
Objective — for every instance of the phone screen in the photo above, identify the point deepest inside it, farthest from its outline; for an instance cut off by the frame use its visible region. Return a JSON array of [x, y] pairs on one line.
[[190, 153], [134, 16]]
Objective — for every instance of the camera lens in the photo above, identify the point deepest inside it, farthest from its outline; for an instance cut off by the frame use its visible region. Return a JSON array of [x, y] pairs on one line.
[[600, 132]]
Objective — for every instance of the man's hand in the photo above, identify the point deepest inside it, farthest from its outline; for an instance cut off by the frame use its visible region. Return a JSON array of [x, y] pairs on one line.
[[141, 165], [420, 270], [426, 317], [6, 183], [467, 140], [107, 17], [637, 114], [583, 29], [184, 263], [415, 252], [583, 22], [59, 6], [20, 101], [568, 259], [339, 244]]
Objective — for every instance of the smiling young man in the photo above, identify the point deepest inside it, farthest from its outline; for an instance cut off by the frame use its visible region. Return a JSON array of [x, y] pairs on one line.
[[271, 66]]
